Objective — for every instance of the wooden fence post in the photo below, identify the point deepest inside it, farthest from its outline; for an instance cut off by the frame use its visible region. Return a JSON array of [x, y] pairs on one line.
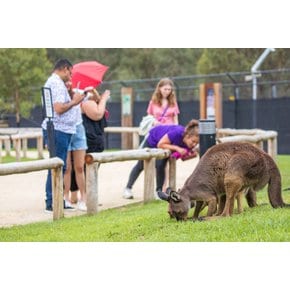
[[127, 115], [8, 147], [172, 173], [0, 150], [92, 187], [260, 144], [17, 145], [57, 189], [274, 148], [136, 140], [24, 147], [149, 177], [40, 147]]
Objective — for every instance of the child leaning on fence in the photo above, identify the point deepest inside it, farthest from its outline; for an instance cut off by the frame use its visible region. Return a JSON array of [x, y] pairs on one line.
[[173, 137], [162, 110]]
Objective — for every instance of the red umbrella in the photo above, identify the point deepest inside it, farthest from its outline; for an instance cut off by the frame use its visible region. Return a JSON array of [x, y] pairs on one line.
[[88, 74]]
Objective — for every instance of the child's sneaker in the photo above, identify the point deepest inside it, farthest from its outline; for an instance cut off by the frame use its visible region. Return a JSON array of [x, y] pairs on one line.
[[128, 193]]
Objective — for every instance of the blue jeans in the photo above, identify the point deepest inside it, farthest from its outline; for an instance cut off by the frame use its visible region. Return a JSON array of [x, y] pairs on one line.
[[62, 141], [160, 165]]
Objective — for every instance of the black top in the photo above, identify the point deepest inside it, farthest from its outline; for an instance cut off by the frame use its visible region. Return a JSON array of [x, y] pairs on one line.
[[95, 133]]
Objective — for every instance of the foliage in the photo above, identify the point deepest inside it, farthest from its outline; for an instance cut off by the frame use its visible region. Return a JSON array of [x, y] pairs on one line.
[[220, 60], [22, 73], [150, 222], [135, 63]]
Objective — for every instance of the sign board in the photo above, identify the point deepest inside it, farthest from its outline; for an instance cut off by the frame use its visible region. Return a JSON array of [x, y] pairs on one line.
[[210, 104], [47, 102], [126, 104], [48, 112]]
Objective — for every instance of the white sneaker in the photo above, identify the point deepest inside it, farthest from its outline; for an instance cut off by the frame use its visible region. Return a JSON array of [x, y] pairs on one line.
[[128, 193], [82, 206]]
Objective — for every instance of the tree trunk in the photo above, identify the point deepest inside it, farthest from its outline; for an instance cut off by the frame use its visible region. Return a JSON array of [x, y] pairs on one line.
[[17, 108]]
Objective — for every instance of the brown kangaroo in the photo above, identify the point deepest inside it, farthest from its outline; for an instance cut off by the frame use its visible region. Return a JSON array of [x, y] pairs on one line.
[[225, 171]]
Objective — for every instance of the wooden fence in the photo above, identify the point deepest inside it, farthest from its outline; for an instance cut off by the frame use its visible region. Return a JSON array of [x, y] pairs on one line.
[[55, 164], [19, 137], [131, 130], [255, 136], [148, 155], [258, 137]]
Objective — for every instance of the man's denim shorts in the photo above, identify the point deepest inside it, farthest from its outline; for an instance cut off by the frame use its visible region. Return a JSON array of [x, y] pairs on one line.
[[78, 140]]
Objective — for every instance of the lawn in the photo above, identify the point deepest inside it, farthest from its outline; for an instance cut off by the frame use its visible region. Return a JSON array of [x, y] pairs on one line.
[[150, 223]]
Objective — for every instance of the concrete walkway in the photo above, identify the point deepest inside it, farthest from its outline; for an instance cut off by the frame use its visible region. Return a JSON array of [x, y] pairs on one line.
[[22, 195]]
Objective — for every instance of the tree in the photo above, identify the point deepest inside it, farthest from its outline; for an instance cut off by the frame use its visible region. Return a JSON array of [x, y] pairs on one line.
[[218, 60], [22, 73], [107, 56]]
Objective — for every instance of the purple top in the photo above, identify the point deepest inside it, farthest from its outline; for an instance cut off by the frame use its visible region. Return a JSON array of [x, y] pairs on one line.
[[174, 132]]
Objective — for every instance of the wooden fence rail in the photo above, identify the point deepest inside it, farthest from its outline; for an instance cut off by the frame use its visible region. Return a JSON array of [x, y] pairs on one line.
[[133, 130], [257, 137], [55, 164], [19, 138], [148, 155], [6, 140]]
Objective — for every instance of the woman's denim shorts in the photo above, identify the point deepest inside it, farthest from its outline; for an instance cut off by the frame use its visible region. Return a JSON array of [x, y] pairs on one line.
[[78, 140]]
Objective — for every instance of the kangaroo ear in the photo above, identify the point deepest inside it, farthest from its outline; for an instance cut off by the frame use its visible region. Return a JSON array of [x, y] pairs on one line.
[[174, 196]]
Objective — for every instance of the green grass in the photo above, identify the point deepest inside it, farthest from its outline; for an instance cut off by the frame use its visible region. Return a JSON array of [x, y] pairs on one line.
[[9, 159], [150, 222]]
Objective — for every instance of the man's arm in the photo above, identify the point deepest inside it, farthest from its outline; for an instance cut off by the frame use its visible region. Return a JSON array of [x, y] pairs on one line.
[[61, 108]]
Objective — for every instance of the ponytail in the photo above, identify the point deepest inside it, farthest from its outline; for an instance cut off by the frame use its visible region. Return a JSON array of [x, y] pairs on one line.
[[191, 128]]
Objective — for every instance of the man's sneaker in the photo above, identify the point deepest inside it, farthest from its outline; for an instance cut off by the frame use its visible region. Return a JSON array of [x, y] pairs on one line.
[[127, 193], [48, 209], [67, 206], [82, 206]]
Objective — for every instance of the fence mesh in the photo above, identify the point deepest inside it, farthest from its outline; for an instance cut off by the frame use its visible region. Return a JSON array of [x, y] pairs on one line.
[[270, 84]]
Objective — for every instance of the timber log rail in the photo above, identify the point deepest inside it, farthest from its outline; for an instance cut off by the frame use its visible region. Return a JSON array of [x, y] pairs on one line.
[[149, 156], [19, 138], [55, 164], [255, 136], [126, 130]]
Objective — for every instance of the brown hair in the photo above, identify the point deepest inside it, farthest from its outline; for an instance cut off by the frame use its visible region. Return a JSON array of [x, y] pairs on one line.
[[157, 97], [191, 128]]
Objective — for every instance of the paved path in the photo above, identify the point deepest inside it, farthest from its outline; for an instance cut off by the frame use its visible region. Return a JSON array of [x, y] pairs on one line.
[[22, 195]]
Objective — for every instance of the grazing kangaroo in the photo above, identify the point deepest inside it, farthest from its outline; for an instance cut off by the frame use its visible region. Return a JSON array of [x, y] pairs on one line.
[[225, 171]]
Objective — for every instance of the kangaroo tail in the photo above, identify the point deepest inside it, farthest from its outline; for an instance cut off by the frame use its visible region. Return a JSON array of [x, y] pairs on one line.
[[274, 188]]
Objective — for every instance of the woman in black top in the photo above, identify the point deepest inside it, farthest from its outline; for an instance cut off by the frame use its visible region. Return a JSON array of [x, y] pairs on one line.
[[94, 119]]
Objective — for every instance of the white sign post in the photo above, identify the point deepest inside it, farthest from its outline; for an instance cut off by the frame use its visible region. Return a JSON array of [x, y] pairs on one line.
[[48, 112]]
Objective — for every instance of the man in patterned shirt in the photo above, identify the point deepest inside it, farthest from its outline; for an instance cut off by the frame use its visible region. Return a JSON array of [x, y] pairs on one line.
[[65, 116]]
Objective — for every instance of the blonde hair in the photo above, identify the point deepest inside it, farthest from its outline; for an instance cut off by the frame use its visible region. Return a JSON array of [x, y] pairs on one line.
[[157, 96], [95, 96]]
